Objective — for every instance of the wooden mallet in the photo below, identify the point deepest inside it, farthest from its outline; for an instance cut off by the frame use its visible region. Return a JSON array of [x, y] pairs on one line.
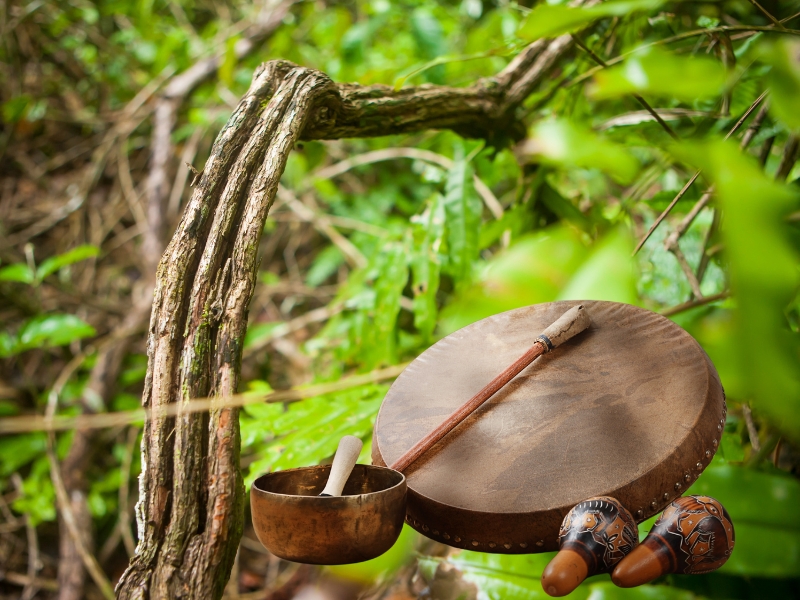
[[568, 325]]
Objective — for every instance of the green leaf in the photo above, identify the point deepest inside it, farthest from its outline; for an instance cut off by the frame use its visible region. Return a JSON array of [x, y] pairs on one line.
[[608, 591], [428, 232], [258, 332], [731, 448], [607, 274], [37, 499], [567, 144], [784, 80], [463, 211], [54, 263], [15, 109], [532, 270], [17, 272], [53, 330], [762, 507], [496, 576], [562, 207], [307, 431], [392, 279], [548, 20], [751, 496], [429, 36], [229, 61], [134, 370], [17, 451], [755, 208], [325, 264], [7, 407], [382, 567], [8, 344], [656, 72], [764, 552]]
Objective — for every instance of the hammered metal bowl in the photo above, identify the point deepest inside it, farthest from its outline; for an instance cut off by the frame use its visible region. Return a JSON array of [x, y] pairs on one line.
[[295, 523]]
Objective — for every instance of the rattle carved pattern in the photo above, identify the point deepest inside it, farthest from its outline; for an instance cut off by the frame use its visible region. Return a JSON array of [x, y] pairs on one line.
[[601, 530], [699, 532], [694, 535]]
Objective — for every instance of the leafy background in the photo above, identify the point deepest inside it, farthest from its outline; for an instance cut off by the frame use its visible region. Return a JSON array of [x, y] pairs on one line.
[[377, 248]]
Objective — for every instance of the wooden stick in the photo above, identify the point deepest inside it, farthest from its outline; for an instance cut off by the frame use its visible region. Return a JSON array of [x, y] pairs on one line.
[[569, 324], [343, 462]]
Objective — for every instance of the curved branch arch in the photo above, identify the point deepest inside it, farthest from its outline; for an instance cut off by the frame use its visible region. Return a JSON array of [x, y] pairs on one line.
[[191, 507]]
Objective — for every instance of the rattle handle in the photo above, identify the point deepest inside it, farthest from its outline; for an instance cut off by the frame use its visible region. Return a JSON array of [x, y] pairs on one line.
[[343, 463], [569, 324]]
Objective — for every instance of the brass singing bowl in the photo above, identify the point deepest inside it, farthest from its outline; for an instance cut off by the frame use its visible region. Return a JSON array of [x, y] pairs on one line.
[[295, 523]]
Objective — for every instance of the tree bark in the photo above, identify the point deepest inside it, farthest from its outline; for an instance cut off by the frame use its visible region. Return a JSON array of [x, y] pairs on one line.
[[191, 497]]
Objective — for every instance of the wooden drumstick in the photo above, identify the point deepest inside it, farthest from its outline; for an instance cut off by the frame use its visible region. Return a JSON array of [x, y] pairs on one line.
[[343, 462], [569, 324]]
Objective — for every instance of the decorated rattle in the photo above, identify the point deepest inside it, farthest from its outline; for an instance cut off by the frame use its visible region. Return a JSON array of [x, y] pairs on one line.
[[693, 535], [594, 537]]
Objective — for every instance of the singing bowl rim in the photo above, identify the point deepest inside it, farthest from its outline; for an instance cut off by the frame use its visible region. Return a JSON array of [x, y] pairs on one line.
[[329, 530], [297, 470]]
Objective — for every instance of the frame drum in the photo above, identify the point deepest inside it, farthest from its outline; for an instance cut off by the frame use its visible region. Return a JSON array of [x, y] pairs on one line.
[[631, 408]]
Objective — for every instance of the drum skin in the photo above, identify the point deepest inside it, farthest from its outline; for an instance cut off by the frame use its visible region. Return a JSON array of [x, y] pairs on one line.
[[632, 408]]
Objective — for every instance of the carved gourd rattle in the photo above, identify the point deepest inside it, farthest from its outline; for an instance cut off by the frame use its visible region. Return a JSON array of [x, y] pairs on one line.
[[693, 535], [594, 537]]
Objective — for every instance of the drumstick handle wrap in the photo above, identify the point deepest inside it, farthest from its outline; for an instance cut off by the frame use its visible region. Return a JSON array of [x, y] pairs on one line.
[[569, 324]]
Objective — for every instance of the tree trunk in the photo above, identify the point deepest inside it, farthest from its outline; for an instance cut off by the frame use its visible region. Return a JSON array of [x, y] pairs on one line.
[[191, 497]]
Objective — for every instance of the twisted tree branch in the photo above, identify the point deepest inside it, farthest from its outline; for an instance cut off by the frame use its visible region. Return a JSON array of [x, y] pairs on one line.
[[191, 493]]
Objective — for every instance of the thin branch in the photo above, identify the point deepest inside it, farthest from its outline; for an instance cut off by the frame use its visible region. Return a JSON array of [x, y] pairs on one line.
[[11, 425], [672, 240], [34, 563], [334, 170], [321, 222], [683, 36], [124, 492], [179, 184], [752, 432], [687, 271], [666, 212], [686, 187], [766, 151], [787, 19], [637, 97], [64, 509], [313, 316], [767, 14], [679, 308], [640, 116], [766, 449], [129, 119], [788, 158], [51, 585], [705, 257]]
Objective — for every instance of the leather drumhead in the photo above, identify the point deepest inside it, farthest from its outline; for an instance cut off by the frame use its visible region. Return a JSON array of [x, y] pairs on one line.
[[631, 408]]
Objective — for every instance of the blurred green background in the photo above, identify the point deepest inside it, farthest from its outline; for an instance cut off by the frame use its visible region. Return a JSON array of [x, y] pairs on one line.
[[377, 248]]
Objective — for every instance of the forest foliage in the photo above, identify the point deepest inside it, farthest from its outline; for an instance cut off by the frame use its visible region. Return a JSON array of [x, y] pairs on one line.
[[377, 248]]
